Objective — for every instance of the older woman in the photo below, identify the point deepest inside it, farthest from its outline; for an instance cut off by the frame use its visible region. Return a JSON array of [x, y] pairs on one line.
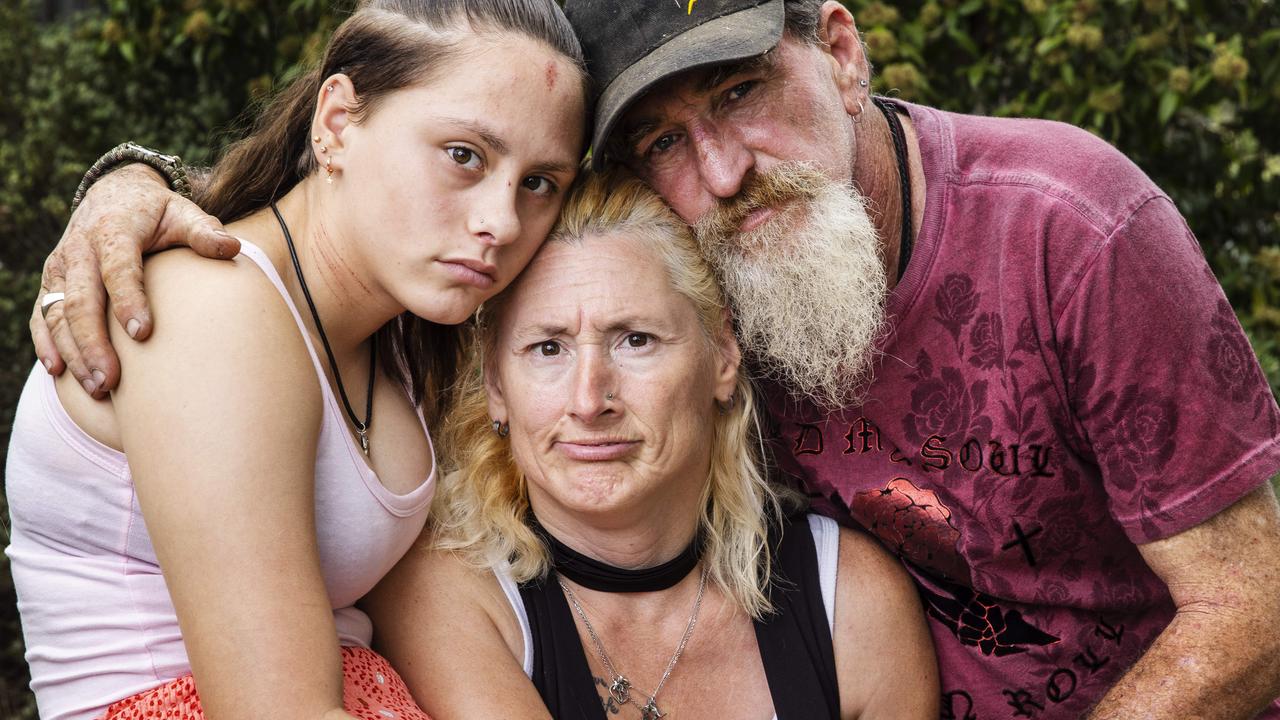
[[610, 545]]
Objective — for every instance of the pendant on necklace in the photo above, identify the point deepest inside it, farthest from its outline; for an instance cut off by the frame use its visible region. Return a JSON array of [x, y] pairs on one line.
[[620, 690], [651, 712], [364, 441]]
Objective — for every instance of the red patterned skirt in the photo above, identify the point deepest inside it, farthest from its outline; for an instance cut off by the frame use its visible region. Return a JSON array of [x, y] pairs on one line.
[[371, 690]]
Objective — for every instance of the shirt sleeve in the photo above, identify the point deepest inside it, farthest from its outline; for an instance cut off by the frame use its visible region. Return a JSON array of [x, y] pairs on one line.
[[1164, 387]]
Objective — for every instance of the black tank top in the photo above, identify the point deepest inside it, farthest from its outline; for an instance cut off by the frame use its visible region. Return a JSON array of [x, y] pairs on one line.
[[794, 641]]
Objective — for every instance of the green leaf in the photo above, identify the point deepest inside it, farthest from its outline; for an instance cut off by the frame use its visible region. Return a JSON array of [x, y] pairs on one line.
[[1168, 105], [1046, 45]]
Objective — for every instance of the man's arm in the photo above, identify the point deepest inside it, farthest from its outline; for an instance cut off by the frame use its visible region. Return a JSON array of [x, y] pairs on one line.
[[126, 214], [1220, 657]]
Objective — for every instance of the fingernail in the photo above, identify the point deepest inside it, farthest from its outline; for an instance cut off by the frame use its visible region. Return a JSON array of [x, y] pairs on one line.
[[99, 378], [48, 364], [89, 386], [133, 327]]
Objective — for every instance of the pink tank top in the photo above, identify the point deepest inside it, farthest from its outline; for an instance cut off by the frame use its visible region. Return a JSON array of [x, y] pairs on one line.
[[96, 615]]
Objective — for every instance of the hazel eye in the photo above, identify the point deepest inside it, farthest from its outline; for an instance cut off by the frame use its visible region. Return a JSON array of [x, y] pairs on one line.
[[539, 185], [466, 157]]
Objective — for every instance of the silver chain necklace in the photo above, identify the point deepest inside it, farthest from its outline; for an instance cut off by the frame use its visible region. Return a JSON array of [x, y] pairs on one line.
[[619, 685]]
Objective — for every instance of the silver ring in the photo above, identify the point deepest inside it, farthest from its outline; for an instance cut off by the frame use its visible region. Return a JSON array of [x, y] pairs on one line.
[[48, 301]]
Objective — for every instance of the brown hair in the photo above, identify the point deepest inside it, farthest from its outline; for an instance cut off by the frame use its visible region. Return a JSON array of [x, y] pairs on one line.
[[386, 45]]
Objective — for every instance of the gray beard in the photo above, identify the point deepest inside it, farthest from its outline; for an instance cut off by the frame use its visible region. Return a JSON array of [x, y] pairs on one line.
[[807, 287]]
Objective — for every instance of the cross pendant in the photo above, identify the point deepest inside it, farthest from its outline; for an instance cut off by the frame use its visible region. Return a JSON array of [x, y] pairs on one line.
[[651, 712]]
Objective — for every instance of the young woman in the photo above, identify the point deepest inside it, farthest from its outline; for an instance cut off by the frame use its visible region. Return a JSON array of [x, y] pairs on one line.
[[265, 458]]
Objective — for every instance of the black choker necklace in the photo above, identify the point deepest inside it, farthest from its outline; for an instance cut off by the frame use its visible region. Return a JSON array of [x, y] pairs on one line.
[[595, 575]]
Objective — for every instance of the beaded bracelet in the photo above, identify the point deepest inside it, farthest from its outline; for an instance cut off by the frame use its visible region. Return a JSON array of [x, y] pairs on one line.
[[170, 166]]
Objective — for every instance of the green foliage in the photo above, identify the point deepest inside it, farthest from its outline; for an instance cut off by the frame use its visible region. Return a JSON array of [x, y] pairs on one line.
[[1187, 88]]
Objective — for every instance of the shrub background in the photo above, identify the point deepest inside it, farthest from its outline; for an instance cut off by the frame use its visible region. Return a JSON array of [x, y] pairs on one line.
[[1189, 89]]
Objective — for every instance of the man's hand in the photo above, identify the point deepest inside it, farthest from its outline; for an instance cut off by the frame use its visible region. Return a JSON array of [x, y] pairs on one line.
[[128, 213]]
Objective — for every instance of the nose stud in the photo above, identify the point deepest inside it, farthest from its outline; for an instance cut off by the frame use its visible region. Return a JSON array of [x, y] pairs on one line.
[[608, 396]]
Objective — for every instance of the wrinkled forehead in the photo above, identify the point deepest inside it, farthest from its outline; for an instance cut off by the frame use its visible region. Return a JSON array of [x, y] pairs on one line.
[[601, 279]]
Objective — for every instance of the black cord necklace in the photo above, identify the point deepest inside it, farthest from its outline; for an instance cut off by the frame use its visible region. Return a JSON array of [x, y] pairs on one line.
[[362, 428], [596, 575], [904, 179]]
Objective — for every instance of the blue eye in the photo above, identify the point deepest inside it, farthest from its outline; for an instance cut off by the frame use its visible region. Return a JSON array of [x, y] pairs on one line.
[[741, 90], [466, 157], [662, 144]]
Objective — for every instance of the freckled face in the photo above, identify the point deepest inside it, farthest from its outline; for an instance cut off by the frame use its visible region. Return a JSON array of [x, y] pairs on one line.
[[585, 321], [452, 185], [695, 143]]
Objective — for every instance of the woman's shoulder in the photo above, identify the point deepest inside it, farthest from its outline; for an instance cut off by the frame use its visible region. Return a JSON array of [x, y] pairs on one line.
[[237, 300], [880, 632], [431, 593], [218, 324]]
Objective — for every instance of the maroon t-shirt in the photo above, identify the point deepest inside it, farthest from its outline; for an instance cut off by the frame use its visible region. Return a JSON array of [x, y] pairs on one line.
[[1064, 380]]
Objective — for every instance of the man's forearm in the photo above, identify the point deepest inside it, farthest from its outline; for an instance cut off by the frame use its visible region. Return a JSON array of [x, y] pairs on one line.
[[1220, 656], [1210, 662]]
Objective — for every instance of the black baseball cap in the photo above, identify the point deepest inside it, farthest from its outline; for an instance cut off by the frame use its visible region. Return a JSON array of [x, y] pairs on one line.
[[632, 45]]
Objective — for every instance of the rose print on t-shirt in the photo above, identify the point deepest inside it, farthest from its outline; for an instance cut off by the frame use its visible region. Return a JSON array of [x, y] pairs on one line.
[[944, 405], [1229, 357], [1139, 436], [986, 340], [1230, 361], [956, 302]]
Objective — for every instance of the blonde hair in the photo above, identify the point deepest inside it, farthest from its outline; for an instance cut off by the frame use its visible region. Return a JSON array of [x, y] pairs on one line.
[[480, 510]]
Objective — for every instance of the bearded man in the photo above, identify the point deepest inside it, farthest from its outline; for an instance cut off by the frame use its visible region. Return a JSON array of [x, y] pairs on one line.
[[992, 344]]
